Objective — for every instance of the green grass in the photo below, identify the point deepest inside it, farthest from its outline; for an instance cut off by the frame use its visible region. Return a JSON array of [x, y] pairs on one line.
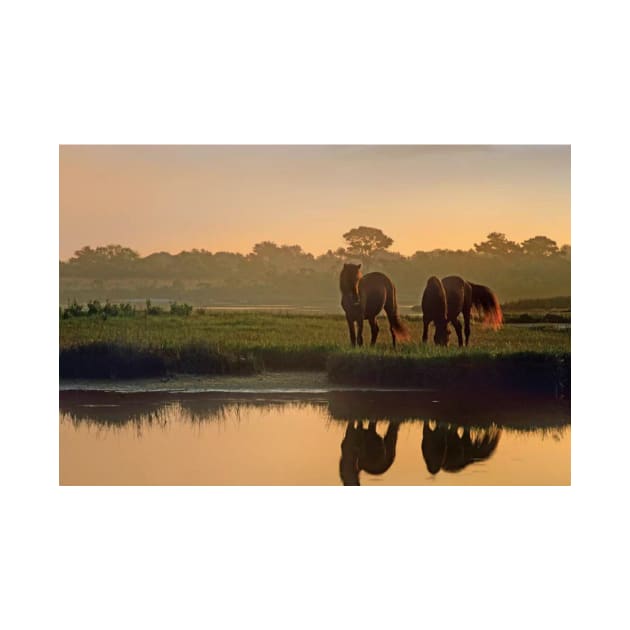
[[290, 332], [243, 342]]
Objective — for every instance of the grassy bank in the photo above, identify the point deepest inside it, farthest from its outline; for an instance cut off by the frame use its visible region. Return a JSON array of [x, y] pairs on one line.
[[247, 342], [542, 372]]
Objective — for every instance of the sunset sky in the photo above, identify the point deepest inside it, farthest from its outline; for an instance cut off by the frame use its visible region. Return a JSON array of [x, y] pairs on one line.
[[227, 198]]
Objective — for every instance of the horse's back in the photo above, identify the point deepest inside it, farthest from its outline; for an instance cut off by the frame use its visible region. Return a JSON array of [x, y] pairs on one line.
[[373, 289], [458, 293], [454, 284], [375, 279]]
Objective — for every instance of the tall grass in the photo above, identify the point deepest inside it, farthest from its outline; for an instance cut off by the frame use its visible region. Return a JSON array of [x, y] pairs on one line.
[[221, 342], [472, 371]]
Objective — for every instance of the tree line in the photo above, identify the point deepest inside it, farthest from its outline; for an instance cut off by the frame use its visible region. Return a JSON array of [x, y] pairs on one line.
[[286, 274]]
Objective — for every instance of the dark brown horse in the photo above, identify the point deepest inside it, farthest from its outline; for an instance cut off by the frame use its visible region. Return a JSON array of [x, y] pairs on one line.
[[462, 296], [364, 297], [365, 449], [434, 310], [451, 448]]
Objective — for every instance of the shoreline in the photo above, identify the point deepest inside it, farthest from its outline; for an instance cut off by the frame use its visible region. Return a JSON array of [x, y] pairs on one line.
[[297, 384], [170, 349], [315, 381], [120, 406]]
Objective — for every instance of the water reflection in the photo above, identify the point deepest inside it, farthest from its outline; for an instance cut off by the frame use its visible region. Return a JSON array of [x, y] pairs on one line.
[[452, 448], [445, 447], [349, 436], [114, 409], [364, 449]]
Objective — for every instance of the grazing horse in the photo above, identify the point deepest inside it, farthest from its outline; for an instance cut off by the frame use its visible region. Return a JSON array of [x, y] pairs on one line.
[[365, 449], [364, 297], [462, 296], [443, 448], [434, 310]]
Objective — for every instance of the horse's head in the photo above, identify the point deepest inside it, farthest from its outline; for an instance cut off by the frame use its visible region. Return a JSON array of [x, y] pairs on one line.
[[442, 333], [467, 448], [433, 447], [349, 281], [349, 462]]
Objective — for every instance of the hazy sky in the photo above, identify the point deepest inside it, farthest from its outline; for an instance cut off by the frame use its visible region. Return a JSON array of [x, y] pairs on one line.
[[227, 198]]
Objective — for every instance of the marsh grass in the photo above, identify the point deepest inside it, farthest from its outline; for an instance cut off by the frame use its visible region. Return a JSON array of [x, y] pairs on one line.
[[247, 342], [470, 371]]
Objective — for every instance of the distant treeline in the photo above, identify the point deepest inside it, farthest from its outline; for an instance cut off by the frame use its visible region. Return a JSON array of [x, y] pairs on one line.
[[285, 274]]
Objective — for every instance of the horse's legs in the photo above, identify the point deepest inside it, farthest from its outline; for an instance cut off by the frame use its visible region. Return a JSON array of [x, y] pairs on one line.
[[374, 329], [466, 325], [360, 331], [457, 325], [425, 331], [353, 336]]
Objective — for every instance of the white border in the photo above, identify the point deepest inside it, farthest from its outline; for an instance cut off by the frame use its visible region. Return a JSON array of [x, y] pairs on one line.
[[281, 72]]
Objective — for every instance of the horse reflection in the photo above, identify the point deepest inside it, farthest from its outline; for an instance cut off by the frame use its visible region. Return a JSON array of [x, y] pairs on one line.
[[451, 448], [365, 449]]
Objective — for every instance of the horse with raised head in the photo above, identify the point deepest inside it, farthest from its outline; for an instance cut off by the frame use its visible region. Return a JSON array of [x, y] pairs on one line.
[[434, 310], [462, 296], [364, 297]]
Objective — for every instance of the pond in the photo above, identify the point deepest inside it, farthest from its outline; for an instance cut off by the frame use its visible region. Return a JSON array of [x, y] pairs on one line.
[[319, 437]]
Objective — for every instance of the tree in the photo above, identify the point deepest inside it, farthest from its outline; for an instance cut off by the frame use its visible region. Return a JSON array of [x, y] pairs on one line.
[[109, 253], [565, 251], [364, 241], [288, 256], [265, 250], [540, 246], [498, 244]]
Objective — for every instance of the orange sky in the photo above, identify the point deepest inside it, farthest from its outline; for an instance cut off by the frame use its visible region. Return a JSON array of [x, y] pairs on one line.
[[227, 198]]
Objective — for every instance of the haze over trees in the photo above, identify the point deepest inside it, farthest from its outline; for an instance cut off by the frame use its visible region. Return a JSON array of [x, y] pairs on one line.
[[286, 274]]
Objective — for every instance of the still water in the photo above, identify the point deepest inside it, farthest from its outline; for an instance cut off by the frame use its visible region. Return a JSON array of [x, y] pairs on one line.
[[327, 438]]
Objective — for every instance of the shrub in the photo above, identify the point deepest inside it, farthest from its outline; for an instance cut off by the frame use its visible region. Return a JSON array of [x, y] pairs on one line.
[[111, 310], [94, 307], [153, 310], [126, 310], [73, 310], [181, 309]]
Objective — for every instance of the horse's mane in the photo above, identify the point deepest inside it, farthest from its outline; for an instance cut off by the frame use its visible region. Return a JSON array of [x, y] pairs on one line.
[[349, 277]]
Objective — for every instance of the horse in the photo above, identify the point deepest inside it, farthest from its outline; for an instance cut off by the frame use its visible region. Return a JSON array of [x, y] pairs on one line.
[[451, 448], [365, 449], [364, 297], [462, 296], [434, 310]]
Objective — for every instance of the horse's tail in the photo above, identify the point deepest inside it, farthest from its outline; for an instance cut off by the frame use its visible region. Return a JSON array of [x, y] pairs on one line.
[[487, 305], [397, 324]]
